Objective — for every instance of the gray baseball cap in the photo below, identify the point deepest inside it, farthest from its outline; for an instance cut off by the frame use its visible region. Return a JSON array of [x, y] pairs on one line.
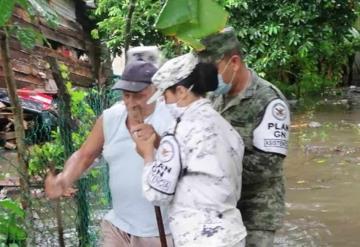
[[136, 76]]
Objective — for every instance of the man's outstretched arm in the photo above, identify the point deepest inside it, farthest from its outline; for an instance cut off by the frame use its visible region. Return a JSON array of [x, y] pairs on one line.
[[77, 164]]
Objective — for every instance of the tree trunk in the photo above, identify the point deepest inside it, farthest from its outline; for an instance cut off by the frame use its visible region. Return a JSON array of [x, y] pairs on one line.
[[22, 156], [127, 30]]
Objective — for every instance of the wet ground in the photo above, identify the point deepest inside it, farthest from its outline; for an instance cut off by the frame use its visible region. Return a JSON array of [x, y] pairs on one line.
[[323, 180]]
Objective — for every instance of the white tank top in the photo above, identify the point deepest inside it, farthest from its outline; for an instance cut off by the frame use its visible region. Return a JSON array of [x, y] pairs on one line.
[[130, 212]]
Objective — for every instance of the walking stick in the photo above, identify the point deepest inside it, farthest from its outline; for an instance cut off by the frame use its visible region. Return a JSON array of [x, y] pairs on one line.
[[136, 116], [160, 225]]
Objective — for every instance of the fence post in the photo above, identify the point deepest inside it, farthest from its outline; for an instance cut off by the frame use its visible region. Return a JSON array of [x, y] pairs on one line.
[[65, 133]]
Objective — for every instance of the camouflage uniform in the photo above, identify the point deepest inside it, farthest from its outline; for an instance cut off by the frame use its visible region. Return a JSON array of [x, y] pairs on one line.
[[200, 155], [262, 198]]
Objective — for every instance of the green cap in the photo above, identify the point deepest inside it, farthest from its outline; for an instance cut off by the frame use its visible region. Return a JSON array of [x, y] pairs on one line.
[[218, 44]]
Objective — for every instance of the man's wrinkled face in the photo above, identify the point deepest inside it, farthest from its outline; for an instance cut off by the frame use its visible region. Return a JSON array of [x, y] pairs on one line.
[[138, 100]]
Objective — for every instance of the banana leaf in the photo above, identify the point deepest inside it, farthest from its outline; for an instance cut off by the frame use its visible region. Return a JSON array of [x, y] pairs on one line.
[[177, 12], [191, 20]]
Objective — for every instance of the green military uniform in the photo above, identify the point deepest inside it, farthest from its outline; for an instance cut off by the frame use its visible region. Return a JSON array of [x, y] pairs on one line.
[[261, 116]]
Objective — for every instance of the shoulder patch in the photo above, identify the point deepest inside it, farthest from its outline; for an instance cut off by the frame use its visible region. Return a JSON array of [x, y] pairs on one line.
[[166, 151], [272, 134], [167, 167]]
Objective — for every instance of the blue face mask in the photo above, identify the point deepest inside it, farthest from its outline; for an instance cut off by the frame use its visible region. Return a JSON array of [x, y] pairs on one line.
[[224, 88]]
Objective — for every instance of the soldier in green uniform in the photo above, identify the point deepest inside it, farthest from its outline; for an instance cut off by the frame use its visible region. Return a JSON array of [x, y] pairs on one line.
[[260, 113]]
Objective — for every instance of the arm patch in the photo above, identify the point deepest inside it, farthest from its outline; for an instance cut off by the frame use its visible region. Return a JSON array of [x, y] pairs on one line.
[[272, 134], [167, 167]]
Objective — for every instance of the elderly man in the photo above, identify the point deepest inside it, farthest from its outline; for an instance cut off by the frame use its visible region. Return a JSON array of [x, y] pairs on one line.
[[131, 222], [260, 113]]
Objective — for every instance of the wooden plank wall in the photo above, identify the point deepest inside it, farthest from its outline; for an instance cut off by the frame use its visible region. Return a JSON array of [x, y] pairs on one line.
[[69, 41]]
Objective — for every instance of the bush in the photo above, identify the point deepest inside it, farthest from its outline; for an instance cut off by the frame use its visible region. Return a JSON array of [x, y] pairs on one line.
[[12, 231]]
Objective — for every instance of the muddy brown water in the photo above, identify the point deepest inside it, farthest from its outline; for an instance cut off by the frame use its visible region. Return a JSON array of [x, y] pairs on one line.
[[323, 181]]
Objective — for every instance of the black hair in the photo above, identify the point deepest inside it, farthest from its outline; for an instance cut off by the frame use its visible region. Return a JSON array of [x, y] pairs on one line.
[[204, 78]]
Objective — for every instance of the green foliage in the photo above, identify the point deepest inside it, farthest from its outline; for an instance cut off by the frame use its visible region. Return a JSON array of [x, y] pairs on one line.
[[101, 97], [27, 36], [296, 43], [7, 7], [191, 20], [12, 230], [112, 15], [52, 153], [177, 12], [42, 156], [302, 46]]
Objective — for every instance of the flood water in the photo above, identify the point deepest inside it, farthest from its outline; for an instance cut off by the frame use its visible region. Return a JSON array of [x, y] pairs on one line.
[[323, 180]]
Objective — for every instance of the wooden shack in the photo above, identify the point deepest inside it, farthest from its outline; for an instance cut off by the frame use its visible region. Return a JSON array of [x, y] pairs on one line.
[[70, 43]]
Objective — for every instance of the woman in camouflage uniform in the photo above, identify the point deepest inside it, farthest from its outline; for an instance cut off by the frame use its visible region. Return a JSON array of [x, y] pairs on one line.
[[196, 167]]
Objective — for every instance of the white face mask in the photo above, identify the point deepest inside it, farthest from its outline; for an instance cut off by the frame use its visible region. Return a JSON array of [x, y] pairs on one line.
[[175, 110]]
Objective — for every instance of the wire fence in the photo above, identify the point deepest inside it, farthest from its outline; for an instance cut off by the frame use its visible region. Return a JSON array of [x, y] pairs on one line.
[[73, 220]]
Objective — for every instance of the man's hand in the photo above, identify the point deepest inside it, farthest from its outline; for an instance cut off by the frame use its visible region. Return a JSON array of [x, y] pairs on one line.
[[70, 192], [143, 132], [54, 188], [146, 147]]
